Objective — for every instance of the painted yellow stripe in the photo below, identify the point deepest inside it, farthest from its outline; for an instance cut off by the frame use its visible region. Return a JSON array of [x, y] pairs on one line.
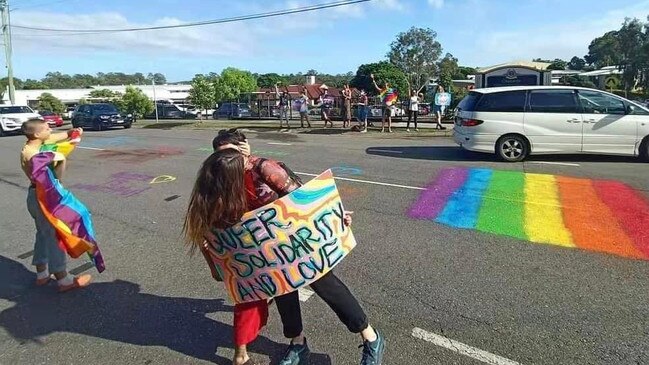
[[543, 215]]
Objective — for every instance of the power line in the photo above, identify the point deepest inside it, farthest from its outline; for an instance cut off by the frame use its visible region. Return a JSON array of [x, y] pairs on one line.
[[201, 23]]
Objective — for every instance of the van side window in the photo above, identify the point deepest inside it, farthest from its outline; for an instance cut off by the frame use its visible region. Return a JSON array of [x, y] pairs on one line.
[[594, 102], [506, 101], [553, 101]]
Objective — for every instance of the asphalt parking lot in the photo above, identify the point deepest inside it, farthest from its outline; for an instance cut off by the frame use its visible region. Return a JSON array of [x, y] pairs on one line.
[[541, 264]]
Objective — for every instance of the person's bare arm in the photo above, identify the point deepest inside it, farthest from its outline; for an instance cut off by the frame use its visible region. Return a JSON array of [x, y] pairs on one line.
[[374, 82], [59, 169], [62, 136]]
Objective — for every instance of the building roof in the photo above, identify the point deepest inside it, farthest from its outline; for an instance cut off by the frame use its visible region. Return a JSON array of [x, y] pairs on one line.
[[604, 71], [541, 66]]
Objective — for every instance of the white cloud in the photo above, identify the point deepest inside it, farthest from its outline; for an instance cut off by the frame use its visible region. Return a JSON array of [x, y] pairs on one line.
[[559, 40], [437, 4], [229, 39], [390, 5]]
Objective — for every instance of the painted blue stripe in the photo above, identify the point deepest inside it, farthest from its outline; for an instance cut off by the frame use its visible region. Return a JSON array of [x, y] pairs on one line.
[[73, 203], [463, 208], [303, 196]]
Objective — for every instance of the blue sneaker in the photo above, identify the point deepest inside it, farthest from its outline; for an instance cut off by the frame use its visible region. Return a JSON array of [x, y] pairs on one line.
[[373, 351], [296, 355]]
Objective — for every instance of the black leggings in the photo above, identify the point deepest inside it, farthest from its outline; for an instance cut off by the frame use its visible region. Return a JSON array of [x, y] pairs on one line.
[[412, 114], [335, 293]]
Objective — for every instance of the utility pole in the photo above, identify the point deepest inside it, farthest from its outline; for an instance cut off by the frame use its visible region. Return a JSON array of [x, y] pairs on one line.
[[155, 101], [6, 32]]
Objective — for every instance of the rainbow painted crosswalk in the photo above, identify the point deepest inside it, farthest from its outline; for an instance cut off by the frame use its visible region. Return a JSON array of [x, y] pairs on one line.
[[596, 215]]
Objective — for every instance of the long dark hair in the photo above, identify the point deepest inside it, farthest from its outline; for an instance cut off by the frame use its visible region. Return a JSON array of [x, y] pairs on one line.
[[218, 198]]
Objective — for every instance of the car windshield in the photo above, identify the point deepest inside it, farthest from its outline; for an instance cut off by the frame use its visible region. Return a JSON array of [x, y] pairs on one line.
[[15, 109], [46, 113], [104, 108]]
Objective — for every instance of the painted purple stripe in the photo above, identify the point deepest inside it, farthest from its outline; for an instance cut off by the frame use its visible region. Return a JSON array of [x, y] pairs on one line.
[[432, 200]]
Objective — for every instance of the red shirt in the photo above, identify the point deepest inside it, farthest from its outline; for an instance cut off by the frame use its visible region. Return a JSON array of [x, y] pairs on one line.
[[266, 181]]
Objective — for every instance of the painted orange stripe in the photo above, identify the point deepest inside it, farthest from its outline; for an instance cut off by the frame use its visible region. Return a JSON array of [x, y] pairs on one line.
[[593, 225]]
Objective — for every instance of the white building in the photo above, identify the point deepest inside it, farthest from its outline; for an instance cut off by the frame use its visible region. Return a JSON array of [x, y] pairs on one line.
[[175, 93]]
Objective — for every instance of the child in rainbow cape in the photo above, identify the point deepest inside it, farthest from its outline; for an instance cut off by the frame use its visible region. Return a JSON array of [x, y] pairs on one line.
[[63, 223]]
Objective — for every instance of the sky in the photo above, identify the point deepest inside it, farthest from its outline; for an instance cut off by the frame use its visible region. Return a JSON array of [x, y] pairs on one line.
[[477, 32]]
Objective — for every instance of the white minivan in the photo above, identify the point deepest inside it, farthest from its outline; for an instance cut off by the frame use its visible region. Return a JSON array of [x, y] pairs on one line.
[[514, 122]]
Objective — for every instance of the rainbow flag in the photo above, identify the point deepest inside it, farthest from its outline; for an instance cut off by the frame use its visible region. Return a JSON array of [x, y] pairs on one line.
[[596, 215], [389, 96], [70, 218]]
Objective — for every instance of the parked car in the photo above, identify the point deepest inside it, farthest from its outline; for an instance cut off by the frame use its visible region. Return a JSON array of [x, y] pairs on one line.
[[12, 118], [99, 116], [514, 122], [171, 111], [232, 110], [53, 119]]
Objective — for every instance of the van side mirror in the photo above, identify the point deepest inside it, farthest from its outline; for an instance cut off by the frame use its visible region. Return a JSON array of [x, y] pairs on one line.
[[630, 109]]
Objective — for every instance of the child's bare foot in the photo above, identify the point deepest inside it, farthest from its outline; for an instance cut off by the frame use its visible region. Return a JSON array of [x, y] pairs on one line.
[[79, 282]]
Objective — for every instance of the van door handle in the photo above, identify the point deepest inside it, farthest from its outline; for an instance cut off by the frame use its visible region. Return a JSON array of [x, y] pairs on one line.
[[573, 120]]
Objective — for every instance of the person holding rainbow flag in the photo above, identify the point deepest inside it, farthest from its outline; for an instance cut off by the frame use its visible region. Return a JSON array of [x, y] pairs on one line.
[[63, 223], [388, 97]]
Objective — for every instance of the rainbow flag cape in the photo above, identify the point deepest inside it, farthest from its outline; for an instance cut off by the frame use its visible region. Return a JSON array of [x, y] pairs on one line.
[[389, 96], [596, 215], [70, 218]]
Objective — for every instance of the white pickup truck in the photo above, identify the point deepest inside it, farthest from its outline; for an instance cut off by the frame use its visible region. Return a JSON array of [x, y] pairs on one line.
[[12, 118]]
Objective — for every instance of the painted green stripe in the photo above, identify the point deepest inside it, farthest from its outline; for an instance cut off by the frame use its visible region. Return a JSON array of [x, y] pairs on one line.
[[503, 205]]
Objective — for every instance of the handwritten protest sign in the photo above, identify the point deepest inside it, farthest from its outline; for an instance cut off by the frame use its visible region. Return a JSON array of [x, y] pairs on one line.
[[284, 245]]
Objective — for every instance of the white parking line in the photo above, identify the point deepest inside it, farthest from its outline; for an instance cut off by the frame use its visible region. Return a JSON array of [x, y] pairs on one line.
[[280, 143], [366, 181], [304, 294], [460, 348], [555, 163], [91, 148]]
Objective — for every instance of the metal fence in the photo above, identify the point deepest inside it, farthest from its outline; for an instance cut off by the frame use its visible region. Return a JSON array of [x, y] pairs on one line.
[[265, 106]]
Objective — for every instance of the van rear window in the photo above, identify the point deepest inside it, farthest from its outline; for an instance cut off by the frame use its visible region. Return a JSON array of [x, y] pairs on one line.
[[469, 102], [506, 101]]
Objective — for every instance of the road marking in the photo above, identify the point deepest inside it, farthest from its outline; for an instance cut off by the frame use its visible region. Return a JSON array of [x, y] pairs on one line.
[[91, 148], [461, 348], [555, 163], [304, 294], [386, 151], [366, 181], [280, 143]]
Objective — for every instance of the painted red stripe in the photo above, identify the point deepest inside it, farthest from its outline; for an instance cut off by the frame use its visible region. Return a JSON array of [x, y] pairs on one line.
[[630, 208]]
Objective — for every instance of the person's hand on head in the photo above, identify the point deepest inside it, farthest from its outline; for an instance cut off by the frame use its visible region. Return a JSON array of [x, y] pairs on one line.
[[244, 148]]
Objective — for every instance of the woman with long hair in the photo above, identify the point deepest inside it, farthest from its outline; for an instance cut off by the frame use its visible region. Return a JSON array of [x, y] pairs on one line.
[[232, 182]]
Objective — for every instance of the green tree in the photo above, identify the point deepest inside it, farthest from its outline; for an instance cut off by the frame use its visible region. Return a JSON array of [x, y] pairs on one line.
[[576, 63], [232, 83], [631, 39], [448, 68], [604, 50], [269, 80], [383, 72], [135, 102], [159, 78], [203, 92], [83, 101], [576, 80], [463, 72], [558, 64], [102, 94], [30, 84], [49, 102], [416, 52]]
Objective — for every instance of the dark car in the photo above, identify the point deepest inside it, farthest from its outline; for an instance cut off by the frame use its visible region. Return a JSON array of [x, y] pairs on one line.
[[232, 110], [99, 117], [171, 111]]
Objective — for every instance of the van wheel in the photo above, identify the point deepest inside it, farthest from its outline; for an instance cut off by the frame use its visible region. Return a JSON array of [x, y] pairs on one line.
[[644, 149], [512, 148]]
